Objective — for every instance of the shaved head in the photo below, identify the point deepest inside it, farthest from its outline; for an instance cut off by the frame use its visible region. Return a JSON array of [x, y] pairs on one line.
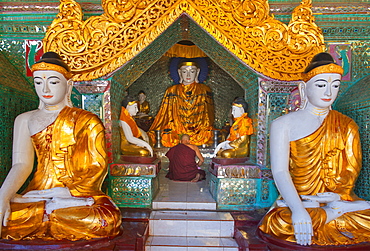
[[185, 138]]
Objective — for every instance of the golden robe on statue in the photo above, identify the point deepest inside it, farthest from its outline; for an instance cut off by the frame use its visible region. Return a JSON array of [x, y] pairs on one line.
[[329, 160], [185, 109], [71, 153], [239, 138], [126, 147]]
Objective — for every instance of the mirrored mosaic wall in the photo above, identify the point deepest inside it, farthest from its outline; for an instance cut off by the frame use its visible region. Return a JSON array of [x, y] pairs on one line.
[[16, 98]]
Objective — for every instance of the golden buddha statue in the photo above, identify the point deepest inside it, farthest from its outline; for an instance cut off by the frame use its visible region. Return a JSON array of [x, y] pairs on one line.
[[143, 105], [187, 108], [134, 141], [64, 198], [237, 143], [315, 161]]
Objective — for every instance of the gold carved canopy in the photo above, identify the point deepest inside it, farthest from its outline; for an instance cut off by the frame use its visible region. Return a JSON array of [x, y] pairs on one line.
[[101, 44]]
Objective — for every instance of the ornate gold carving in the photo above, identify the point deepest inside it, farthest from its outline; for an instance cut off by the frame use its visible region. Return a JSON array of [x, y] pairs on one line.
[[101, 44]]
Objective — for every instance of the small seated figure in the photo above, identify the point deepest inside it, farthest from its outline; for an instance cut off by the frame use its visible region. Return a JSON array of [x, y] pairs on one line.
[[187, 108], [182, 165], [237, 143], [63, 200], [134, 141], [143, 105], [315, 161]]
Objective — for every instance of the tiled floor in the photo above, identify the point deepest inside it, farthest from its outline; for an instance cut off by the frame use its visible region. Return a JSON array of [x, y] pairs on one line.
[[183, 195], [184, 217]]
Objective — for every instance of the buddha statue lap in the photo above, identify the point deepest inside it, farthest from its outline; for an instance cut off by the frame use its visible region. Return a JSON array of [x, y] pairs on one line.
[[63, 200], [187, 108], [134, 141], [315, 161], [237, 143]]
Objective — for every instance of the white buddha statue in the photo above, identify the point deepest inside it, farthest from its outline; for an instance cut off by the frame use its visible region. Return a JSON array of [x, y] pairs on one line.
[[64, 198], [237, 143], [134, 140], [315, 161]]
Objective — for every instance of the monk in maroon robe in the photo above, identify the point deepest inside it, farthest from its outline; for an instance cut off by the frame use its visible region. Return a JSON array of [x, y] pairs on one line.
[[182, 162]]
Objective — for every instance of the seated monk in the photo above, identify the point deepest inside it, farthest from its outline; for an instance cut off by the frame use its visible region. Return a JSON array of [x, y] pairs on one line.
[[64, 198], [315, 161], [187, 108], [182, 162], [237, 143], [134, 141]]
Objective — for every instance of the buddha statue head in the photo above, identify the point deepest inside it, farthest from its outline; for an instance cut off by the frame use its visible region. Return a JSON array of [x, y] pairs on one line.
[[188, 72], [52, 80], [239, 107], [321, 81], [131, 105]]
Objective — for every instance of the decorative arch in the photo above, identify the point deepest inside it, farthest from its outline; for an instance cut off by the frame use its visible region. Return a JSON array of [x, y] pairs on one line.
[[102, 44]]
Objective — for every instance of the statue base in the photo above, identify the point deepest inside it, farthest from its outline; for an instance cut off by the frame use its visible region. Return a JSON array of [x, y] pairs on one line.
[[133, 237], [243, 186], [273, 243], [138, 159], [134, 184], [229, 161]]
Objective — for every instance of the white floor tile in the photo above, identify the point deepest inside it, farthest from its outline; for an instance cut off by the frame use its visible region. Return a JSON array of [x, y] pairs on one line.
[[205, 249], [169, 241], [204, 242], [162, 248], [229, 242], [227, 229], [203, 228], [169, 228], [201, 206]]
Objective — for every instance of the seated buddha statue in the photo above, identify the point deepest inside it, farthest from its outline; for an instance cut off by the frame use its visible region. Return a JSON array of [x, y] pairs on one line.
[[64, 199], [134, 141], [186, 108], [315, 161], [143, 105], [237, 143]]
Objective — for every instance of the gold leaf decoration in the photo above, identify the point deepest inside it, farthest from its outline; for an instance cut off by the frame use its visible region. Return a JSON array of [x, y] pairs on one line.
[[101, 44]]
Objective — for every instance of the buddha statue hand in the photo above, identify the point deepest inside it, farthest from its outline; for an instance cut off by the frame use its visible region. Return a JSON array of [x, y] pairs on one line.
[[63, 202], [144, 135], [223, 145], [4, 212], [337, 208], [62, 192], [306, 203], [144, 144], [322, 197], [302, 225]]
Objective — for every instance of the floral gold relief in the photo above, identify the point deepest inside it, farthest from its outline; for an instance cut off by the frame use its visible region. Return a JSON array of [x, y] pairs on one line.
[[101, 44]]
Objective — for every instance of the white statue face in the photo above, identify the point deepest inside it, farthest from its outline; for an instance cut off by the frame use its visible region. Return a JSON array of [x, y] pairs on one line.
[[188, 74], [142, 97], [51, 86], [322, 89], [237, 111], [132, 109]]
